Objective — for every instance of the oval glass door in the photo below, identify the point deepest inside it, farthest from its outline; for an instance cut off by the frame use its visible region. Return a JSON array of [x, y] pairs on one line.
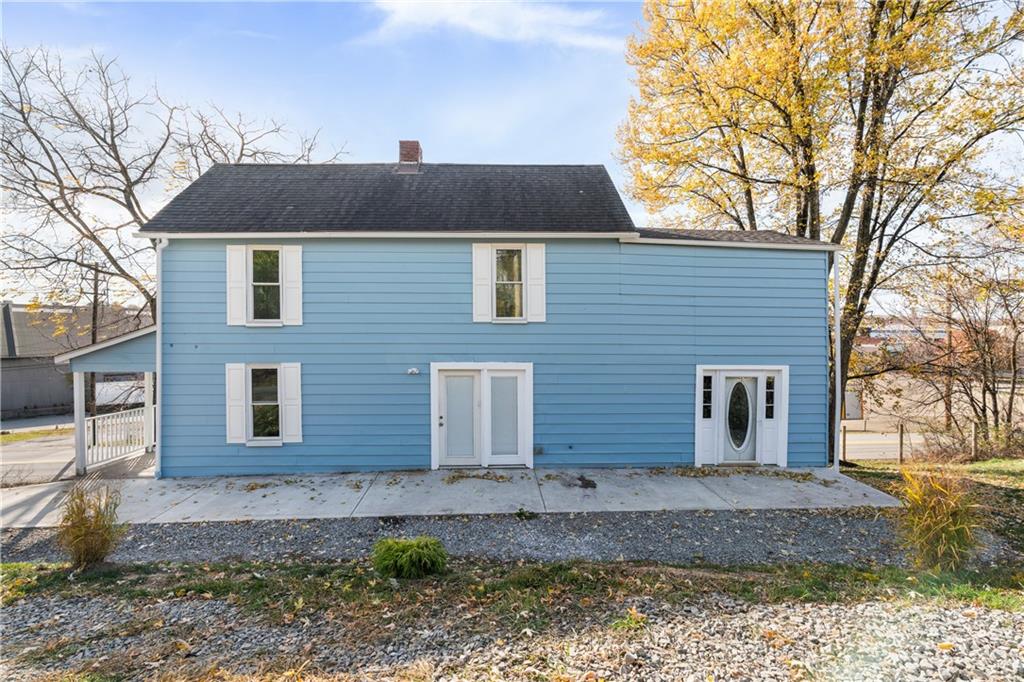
[[739, 418]]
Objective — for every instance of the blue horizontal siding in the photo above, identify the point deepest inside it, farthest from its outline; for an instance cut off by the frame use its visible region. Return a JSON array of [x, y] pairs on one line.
[[613, 365], [133, 355]]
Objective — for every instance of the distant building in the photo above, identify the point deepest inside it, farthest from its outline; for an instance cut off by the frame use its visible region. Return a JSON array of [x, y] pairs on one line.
[[30, 383]]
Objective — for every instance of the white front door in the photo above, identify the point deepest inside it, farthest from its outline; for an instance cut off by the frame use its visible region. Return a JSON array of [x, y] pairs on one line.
[[459, 418], [740, 419], [742, 414], [483, 414]]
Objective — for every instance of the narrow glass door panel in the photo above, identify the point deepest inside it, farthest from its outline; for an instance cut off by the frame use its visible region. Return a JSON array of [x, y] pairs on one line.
[[459, 422], [505, 416]]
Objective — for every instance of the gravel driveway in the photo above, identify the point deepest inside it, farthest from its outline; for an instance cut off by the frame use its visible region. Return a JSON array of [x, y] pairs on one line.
[[712, 637], [719, 537]]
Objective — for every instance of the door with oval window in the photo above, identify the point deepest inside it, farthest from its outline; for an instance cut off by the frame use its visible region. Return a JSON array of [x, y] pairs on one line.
[[740, 419]]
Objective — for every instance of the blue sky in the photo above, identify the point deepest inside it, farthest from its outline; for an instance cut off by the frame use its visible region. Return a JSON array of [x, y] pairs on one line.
[[488, 83]]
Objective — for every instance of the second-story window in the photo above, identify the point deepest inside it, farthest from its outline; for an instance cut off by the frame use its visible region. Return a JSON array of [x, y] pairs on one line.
[[266, 284], [508, 283]]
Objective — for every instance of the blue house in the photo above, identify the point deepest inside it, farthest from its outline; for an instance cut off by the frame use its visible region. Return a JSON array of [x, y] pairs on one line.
[[322, 318]]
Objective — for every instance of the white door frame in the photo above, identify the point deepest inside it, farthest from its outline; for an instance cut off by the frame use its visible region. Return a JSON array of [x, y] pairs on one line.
[[485, 368], [719, 372]]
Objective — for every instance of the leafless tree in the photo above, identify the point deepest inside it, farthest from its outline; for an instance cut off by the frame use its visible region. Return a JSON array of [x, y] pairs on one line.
[[87, 159], [973, 369]]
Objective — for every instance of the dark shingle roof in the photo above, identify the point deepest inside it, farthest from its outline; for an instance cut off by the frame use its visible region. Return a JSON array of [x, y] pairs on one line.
[[735, 236], [376, 197]]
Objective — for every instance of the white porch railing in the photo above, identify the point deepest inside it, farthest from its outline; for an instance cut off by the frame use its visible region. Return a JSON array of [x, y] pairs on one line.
[[109, 437]]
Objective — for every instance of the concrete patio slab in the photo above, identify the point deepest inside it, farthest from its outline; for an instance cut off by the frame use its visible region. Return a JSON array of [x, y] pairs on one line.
[[596, 490], [273, 497], [427, 493], [463, 491], [759, 491]]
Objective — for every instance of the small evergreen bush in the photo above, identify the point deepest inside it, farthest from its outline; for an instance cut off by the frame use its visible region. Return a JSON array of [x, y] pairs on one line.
[[89, 530], [409, 557], [939, 522]]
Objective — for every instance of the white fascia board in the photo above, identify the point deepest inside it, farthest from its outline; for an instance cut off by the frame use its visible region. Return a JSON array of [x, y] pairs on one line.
[[385, 235], [85, 350], [823, 246]]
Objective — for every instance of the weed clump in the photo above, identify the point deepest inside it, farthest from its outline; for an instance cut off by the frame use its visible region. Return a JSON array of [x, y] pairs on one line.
[[89, 530], [940, 522]]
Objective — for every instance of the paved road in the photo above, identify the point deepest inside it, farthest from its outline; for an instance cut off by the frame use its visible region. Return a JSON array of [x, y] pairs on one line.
[[869, 445], [52, 458], [49, 458], [34, 423]]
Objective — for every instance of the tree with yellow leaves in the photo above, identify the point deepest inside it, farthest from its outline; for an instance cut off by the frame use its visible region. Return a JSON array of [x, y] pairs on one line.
[[876, 124]]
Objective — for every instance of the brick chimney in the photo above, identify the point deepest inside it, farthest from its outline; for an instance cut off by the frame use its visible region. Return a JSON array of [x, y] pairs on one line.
[[410, 155]]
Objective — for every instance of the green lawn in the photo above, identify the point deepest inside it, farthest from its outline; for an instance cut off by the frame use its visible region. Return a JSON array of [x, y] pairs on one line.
[[997, 485], [18, 436], [524, 593]]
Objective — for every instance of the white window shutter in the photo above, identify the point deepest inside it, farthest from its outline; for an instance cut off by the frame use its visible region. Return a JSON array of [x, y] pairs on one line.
[[483, 294], [291, 284], [291, 402], [536, 287], [237, 284], [234, 389]]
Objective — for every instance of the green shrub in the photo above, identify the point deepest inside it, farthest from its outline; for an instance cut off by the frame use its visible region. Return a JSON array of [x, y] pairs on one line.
[[89, 530], [409, 557], [939, 522]]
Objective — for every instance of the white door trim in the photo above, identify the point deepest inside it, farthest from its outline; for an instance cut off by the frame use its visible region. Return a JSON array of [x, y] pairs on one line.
[[700, 458], [525, 407]]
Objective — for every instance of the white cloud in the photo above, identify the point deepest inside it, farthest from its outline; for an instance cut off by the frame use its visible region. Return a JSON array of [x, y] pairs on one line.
[[502, 21]]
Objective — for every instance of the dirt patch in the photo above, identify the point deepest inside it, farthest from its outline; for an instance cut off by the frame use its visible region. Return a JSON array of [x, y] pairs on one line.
[[462, 474]]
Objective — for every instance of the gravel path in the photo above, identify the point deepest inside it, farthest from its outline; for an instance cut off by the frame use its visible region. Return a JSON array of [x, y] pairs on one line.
[[712, 637], [720, 537]]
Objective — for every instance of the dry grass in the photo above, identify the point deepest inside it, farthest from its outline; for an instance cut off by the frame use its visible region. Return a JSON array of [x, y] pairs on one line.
[[940, 522], [89, 530], [996, 486], [351, 606]]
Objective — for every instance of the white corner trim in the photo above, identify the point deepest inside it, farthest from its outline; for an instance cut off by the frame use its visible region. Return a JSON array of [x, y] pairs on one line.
[[526, 407], [158, 412], [839, 392], [85, 350]]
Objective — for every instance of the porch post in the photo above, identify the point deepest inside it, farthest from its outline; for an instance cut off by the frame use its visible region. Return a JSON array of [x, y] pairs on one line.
[[79, 379], [148, 413]]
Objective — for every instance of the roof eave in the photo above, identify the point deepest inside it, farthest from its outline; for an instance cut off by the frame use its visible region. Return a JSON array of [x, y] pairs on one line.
[[814, 246], [420, 234]]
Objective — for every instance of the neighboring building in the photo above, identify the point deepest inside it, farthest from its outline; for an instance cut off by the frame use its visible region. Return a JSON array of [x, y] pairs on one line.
[[30, 336], [401, 316]]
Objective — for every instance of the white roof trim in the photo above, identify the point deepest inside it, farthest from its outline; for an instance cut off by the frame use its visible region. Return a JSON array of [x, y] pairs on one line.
[[822, 246], [85, 350], [385, 235], [624, 237]]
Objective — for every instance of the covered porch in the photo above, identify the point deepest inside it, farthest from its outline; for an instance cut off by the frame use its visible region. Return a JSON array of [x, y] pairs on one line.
[[101, 439]]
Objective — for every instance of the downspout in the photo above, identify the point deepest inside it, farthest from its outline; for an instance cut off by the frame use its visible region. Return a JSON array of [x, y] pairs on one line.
[[157, 420], [837, 364]]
